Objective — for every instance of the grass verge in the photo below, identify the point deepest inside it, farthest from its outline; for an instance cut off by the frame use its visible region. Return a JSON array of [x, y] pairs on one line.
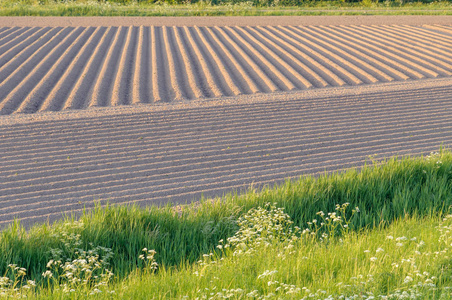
[[392, 196], [203, 8]]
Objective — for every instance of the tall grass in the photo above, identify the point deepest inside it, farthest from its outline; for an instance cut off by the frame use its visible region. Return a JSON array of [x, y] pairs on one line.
[[384, 192]]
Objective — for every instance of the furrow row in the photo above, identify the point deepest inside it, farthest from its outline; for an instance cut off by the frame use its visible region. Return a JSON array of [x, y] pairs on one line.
[[182, 123], [51, 69]]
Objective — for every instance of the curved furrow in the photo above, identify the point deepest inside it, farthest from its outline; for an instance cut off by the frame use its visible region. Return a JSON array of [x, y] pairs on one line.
[[322, 54], [360, 65], [211, 88], [66, 82], [36, 70], [345, 64], [417, 38], [156, 85], [214, 63], [192, 78], [163, 73], [356, 52], [6, 30], [247, 83], [82, 90], [257, 74], [140, 70], [397, 54], [121, 89], [19, 38], [306, 53], [439, 30], [8, 55], [109, 70], [27, 57], [272, 71], [421, 54], [173, 72], [49, 78], [268, 48], [285, 50], [222, 70], [383, 55], [8, 34]]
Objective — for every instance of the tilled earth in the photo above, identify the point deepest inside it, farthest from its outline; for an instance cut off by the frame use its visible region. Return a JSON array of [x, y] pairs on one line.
[[151, 114]]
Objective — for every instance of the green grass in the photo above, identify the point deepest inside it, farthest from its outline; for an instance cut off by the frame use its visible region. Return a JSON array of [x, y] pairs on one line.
[[230, 8], [392, 196]]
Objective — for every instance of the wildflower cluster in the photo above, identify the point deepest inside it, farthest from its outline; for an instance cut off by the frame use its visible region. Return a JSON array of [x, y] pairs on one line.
[[261, 227], [331, 224], [13, 283], [148, 258], [72, 267]]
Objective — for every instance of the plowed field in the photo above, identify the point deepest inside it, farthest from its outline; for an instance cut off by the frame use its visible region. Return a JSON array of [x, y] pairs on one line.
[[151, 114]]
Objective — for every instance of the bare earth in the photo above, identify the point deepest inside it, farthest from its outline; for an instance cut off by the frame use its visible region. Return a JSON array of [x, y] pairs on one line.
[[150, 112]]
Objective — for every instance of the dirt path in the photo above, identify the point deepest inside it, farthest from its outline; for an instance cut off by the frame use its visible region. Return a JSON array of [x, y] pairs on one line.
[[225, 21]]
